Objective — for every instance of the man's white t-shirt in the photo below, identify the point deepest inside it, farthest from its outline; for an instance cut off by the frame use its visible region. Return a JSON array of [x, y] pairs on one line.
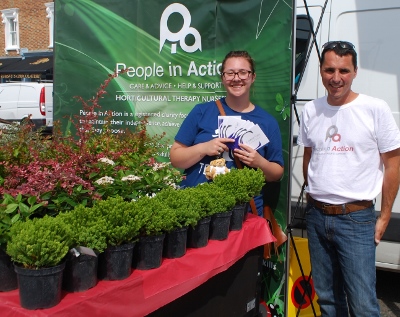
[[346, 143]]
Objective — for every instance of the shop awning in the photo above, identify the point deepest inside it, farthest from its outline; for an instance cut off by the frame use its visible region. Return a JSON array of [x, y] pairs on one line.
[[29, 67], [5, 62]]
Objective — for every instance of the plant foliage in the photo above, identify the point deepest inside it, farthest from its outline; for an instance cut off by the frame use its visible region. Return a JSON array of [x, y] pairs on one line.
[[243, 183], [40, 242]]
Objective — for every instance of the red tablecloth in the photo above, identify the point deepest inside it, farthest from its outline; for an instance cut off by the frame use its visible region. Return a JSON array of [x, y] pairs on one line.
[[145, 291]]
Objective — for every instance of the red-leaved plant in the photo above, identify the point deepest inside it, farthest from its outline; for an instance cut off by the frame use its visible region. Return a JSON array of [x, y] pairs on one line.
[[83, 166]]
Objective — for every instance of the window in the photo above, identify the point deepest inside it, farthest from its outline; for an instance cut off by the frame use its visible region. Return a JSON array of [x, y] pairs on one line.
[[303, 37], [11, 29], [50, 16]]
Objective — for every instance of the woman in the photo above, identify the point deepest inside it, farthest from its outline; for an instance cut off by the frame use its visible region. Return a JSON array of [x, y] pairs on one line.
[[197, 142]]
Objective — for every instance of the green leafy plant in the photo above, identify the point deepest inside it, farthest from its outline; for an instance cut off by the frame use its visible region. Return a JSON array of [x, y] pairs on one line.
[[213, 199], [243, 183], [39, 242], [186, 208], [12, 210], [118, 221], [86, 228], [158, 217]]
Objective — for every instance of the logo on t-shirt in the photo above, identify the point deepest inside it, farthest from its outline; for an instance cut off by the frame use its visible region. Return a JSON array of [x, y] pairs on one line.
[[332, 133]]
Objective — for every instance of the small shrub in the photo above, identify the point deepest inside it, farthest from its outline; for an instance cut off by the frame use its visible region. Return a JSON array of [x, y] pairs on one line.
[[38, 243], [183, 203], [243, 183], [213, 199]]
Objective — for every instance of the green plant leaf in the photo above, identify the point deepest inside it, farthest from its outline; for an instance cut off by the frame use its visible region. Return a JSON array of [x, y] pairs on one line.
[[23, 208], [32, 200], [15, 218], [11, 208]]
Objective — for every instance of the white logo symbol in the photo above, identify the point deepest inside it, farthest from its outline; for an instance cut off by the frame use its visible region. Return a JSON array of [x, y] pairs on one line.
[[166, 34]]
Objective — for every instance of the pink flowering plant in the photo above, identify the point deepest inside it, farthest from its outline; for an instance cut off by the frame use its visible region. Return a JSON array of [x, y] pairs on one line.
[[81, 166]]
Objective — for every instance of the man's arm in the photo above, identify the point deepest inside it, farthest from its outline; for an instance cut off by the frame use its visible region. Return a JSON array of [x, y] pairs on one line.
[[306, 161], [390, 187]]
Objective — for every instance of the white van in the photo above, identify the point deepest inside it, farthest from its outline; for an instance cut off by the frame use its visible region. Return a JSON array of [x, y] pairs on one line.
[[372, 26], [19, 100]]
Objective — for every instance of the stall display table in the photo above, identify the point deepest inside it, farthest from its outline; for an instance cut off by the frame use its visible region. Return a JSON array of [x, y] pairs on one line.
[[145, 292]]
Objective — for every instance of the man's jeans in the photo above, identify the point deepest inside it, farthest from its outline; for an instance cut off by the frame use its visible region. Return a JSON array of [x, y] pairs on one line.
[[342, 252]]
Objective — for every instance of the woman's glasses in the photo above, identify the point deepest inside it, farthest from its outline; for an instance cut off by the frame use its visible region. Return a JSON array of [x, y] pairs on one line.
[[342, 44], [242, 74]]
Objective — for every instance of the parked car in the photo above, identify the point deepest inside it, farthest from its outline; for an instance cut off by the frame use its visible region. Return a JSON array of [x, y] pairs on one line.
[[22, 101]]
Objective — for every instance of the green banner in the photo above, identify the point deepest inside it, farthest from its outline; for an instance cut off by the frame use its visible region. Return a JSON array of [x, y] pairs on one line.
[[171, 55]]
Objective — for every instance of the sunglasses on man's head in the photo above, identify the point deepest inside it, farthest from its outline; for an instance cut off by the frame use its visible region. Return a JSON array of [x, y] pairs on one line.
[[342, 44]]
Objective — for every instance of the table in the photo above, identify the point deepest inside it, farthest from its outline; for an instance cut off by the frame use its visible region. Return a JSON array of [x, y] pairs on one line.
[[144, 292]]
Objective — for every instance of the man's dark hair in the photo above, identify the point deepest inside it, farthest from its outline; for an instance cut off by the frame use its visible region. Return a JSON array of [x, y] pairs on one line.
[[341, 48]]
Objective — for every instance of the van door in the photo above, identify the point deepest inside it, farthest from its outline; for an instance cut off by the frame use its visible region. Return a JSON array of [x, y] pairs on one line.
[[28, 102], [8, 101]]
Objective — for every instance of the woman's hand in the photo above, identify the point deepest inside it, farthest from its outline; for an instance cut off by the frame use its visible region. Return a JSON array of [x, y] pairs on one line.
[[272, 171], [182, 156], [248, 156], [216, 146]]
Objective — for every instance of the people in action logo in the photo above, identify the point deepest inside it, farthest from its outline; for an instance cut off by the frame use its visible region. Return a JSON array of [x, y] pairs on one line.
[[178, 37]]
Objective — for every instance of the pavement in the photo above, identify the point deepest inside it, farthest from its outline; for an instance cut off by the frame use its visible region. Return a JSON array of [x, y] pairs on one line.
[[387, 289]]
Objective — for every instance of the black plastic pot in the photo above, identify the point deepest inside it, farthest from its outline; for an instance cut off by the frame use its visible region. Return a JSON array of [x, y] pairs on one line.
[[245, 207], [80, 273], [175, 243], [115, 262], [198, 235], [8, 277], [148, 252], [237, 217], [40, 288], [219, 225]]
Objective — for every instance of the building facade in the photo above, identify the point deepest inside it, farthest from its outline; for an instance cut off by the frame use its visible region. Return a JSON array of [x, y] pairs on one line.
[[26, 40]]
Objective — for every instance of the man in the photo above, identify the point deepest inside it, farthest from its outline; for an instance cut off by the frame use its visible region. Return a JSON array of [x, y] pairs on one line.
[[351, 154]]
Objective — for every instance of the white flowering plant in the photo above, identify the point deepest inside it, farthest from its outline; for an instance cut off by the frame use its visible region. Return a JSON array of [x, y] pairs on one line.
[[134, 178]]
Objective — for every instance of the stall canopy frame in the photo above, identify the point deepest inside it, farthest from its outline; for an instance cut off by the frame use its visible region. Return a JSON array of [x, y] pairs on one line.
[[297, 220]]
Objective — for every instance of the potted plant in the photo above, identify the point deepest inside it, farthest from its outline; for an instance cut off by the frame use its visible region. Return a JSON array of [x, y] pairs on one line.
[[217, 203], [244, 184], [192, 209], [87, 241], [38, 247], [120, 222], [158, 218], [186, 213], [12, 210]]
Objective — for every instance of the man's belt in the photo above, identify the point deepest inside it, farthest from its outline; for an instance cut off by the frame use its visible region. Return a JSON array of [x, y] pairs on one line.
[[341, 209]]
